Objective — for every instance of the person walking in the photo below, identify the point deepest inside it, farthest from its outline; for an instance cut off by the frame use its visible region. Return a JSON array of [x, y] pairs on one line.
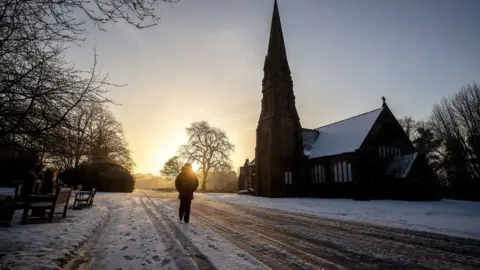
[[186, 183]]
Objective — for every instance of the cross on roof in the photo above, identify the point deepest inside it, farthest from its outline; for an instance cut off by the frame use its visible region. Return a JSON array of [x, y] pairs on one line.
[[383, 101]]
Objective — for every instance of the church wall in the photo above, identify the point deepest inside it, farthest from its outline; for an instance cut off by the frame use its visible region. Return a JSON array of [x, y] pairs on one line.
[[332, 177]]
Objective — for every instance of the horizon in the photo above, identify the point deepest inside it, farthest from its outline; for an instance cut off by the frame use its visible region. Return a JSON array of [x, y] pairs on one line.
[[344, 56]]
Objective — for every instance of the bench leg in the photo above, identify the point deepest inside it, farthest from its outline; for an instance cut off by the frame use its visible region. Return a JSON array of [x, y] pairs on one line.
[[50, 217], [65, 210], [24, 215]]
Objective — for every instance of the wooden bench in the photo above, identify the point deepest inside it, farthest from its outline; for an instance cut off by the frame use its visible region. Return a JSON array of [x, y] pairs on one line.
[[84, 198], [60, 199], [7, 209]]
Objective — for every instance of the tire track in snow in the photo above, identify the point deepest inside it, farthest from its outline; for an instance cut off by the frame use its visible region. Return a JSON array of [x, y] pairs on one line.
[[275, 236], [185, 254]]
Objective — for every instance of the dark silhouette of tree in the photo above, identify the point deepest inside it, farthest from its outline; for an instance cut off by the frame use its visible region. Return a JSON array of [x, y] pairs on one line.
[[208, 146], [456, 121], [171, 168], [409, 126], [40, 90]]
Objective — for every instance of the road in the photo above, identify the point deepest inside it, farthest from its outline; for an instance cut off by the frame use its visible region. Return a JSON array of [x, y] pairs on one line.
[[285, 240]]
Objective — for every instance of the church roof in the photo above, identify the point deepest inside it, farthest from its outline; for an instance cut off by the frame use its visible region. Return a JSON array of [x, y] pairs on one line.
[[344, 136]]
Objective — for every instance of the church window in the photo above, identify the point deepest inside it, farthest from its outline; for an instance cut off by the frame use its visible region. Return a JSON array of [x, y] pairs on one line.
[[384, 151], [335, 174], [342, 172], [349, 168], [320, 174], [288, 178]]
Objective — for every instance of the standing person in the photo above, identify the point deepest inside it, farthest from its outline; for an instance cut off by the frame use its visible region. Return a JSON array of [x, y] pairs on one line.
[[186, 183]]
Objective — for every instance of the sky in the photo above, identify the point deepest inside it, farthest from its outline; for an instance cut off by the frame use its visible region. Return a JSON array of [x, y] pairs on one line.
[[204, 61]]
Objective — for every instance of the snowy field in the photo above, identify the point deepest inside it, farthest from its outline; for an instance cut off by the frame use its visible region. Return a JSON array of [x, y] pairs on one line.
[[457, 218]]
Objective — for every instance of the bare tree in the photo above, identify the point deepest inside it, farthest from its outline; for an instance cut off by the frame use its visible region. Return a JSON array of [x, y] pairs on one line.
[[107, 141], [40, 90], [171, 168], [456, 121], [209, 147], [409, 126]]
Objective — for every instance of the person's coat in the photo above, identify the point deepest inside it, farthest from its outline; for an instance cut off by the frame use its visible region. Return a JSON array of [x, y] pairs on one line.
[[186, 184]]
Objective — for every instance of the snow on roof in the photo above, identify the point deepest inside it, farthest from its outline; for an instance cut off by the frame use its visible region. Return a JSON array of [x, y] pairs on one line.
[[344, 136], [251, 163], [309, 137], [400, 166]]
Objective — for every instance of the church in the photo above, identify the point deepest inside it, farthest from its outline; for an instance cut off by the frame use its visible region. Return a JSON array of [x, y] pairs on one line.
[[367, 156]]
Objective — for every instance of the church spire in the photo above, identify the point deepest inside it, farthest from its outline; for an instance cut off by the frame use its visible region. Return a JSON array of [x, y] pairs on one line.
[[276, 63]]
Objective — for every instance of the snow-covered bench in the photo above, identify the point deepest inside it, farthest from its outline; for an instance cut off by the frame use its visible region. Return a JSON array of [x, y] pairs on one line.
[[81, 199], [60, 199]]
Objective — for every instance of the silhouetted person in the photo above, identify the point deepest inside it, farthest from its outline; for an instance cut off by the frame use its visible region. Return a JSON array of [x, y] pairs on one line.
[[186, 183]]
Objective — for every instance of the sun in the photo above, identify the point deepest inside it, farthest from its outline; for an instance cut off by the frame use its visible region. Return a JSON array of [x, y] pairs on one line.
[[195, 167]]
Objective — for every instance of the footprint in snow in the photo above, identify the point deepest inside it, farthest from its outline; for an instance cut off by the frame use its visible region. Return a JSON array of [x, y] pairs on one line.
[[133, 239], [212, 246], [165, 261], [123, 248], [209, 238], [127, 234], [156, 258], [128, 258]]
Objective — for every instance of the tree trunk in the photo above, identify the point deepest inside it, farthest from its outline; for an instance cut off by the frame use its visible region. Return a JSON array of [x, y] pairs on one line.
[[204, 182]]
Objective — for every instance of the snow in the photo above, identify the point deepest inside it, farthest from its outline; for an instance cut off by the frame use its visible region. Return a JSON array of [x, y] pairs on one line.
[[457, 218], [345, 136], [309, 137], [46, 245], [7, 191], [220, 252], [130, 240], [121, 231], [400, 166]]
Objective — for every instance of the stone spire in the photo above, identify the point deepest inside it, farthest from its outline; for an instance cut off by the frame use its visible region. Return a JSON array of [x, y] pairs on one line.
[[276, 64]]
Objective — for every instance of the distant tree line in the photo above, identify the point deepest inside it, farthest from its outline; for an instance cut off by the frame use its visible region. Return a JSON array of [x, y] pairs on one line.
[[450, 139], [53, 114]]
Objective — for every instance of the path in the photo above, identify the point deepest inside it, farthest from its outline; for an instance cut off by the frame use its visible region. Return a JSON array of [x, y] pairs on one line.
[[283, 240], [133, 238], [142, 232]]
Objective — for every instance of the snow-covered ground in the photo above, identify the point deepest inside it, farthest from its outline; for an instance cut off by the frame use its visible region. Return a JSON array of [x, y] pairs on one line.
[[129, 239], [221, 253], [47, 245], [458, 218], [141, 231]]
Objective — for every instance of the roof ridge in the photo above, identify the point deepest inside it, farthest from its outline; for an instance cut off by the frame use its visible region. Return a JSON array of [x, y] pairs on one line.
[[348, 118]]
